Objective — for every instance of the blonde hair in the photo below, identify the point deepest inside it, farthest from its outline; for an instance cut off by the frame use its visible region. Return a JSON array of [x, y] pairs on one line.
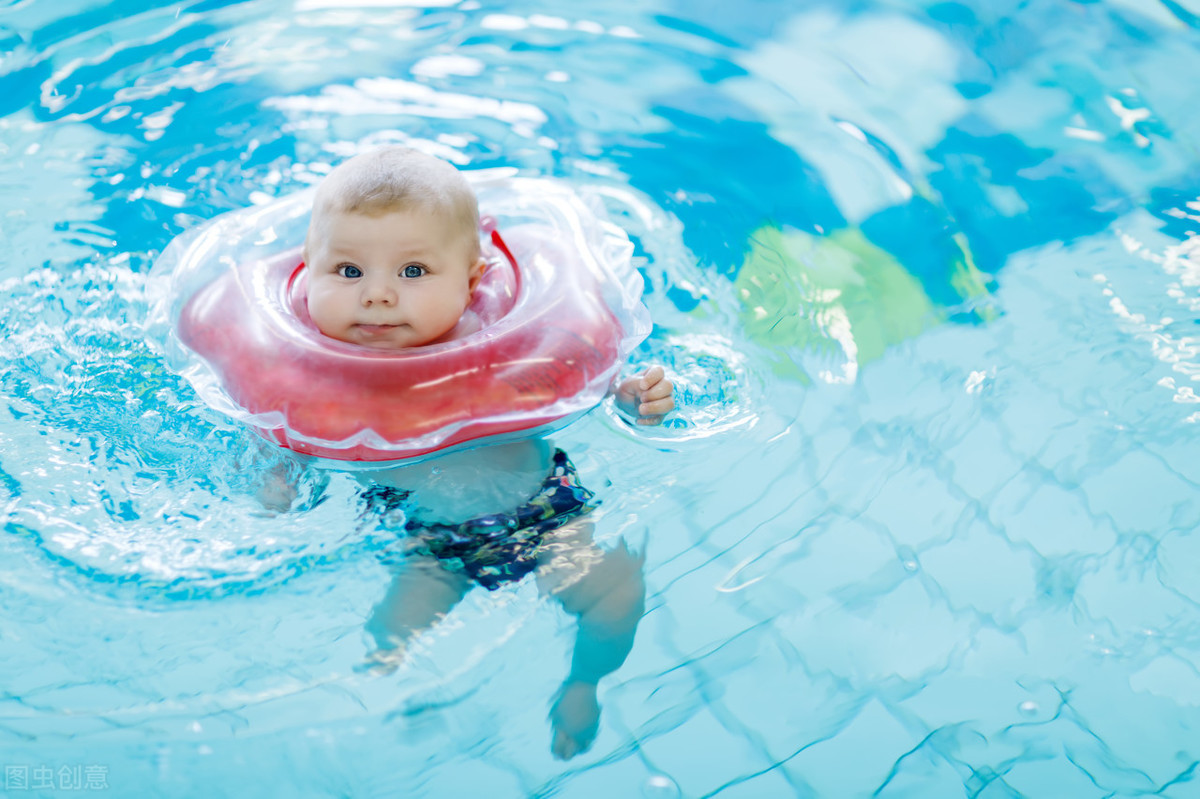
[[398, 179]]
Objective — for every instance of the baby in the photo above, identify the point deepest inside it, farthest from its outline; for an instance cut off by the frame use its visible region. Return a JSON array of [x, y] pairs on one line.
[[393, 255], [392, 258]]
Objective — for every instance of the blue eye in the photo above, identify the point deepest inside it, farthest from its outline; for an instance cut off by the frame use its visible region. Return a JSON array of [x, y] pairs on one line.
[[349, 270], [412, 270]]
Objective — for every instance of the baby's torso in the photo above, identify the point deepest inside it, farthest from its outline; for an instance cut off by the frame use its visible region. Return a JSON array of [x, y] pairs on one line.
[[470, 483]]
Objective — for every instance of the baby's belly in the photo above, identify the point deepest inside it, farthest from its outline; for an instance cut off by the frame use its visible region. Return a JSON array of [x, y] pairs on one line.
[[467, 484]]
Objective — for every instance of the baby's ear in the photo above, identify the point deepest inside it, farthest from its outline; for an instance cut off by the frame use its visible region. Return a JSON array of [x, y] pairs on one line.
[[475, 273]]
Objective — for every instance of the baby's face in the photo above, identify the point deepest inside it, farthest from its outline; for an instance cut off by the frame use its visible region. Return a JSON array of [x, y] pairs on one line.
[[399, 279]]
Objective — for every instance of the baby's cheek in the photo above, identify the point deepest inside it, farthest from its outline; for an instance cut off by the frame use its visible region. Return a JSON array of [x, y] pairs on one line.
[[319, 311], [313, 306]]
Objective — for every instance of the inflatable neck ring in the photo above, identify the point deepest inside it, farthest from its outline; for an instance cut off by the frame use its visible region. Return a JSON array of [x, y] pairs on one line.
[[551, 321]]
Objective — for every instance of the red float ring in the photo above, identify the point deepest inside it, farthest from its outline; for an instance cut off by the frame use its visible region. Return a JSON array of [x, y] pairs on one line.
[[559, 311]]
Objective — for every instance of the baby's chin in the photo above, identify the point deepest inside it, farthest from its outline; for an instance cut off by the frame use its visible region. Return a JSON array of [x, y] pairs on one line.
[[384, 338]]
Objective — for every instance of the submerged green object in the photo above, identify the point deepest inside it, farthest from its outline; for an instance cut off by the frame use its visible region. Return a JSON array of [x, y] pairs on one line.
[[838, 297]]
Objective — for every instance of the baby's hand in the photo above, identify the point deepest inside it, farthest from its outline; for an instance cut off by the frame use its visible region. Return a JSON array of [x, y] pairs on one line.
[[647, 397]]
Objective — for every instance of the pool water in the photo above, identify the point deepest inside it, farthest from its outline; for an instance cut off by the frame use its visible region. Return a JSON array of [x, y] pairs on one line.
[[925, 524]]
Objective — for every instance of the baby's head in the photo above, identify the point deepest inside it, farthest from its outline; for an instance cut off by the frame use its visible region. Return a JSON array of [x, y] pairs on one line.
[[392, 252]]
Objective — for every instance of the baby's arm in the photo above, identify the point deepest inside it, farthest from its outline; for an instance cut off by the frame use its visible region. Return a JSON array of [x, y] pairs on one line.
[[276, 491], [648, 397]]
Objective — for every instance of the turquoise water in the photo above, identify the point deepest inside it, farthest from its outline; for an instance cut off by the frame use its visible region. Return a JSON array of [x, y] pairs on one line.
[[924, 526]]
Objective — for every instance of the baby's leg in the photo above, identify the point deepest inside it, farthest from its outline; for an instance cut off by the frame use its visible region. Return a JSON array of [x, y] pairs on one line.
[[607, 592], [421, 594]]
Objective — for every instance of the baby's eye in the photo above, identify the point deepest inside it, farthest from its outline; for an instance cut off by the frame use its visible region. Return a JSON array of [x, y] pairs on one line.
[[412, 270], [349, 270]]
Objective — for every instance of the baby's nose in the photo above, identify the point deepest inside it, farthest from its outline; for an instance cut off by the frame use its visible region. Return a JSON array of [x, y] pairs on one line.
[[378, 293]]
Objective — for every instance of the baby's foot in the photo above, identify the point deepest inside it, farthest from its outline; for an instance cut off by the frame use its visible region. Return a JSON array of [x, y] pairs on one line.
[[575, 717], [382, 662]]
